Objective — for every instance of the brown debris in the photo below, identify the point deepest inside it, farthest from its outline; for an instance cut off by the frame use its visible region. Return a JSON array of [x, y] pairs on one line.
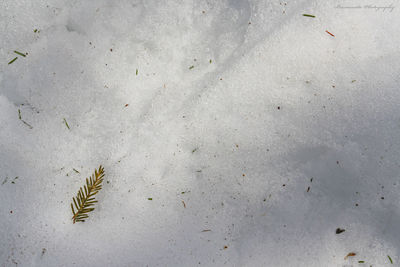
[[351, 254]]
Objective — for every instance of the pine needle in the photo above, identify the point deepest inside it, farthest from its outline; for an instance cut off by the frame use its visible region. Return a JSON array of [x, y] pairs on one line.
[[85, 198], [19, 53], [66, 124], [12, 60]]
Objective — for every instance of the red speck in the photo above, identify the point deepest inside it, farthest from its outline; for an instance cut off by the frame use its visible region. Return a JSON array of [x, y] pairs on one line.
[[278, 107], [111, 49], [10, 211], [126, 105], [330, 33]]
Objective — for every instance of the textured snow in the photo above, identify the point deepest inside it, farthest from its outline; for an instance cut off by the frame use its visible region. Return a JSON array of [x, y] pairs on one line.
[[287, 134]]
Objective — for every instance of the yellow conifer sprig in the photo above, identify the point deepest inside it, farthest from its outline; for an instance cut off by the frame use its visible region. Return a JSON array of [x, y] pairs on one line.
[[85, 198]]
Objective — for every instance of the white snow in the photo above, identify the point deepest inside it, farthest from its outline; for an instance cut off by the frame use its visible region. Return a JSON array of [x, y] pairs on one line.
[[287, 134]]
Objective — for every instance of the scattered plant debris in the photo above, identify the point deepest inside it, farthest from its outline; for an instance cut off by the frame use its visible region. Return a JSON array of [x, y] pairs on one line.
[[150, 198], [330, 33], [308, 15], [19, 53], [12, 61], [20, 118], [391, 262], [27, 124], [66, 124], [13, 181], [339, 231], [43, 251], [85, 198], [351, 254], [191, 67]]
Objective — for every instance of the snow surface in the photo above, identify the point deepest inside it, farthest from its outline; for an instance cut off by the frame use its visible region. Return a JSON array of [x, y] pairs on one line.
[[287, 134]]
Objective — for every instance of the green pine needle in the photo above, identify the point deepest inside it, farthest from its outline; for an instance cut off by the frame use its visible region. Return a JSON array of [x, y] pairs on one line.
[[19, 53], [85, 198], [12, 61], [66, 124]]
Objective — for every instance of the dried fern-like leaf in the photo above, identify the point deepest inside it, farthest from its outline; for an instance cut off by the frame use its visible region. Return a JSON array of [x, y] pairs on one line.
[[84, 200]]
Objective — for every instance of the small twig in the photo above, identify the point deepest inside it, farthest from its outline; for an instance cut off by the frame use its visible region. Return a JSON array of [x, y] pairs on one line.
[[308, 15]]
